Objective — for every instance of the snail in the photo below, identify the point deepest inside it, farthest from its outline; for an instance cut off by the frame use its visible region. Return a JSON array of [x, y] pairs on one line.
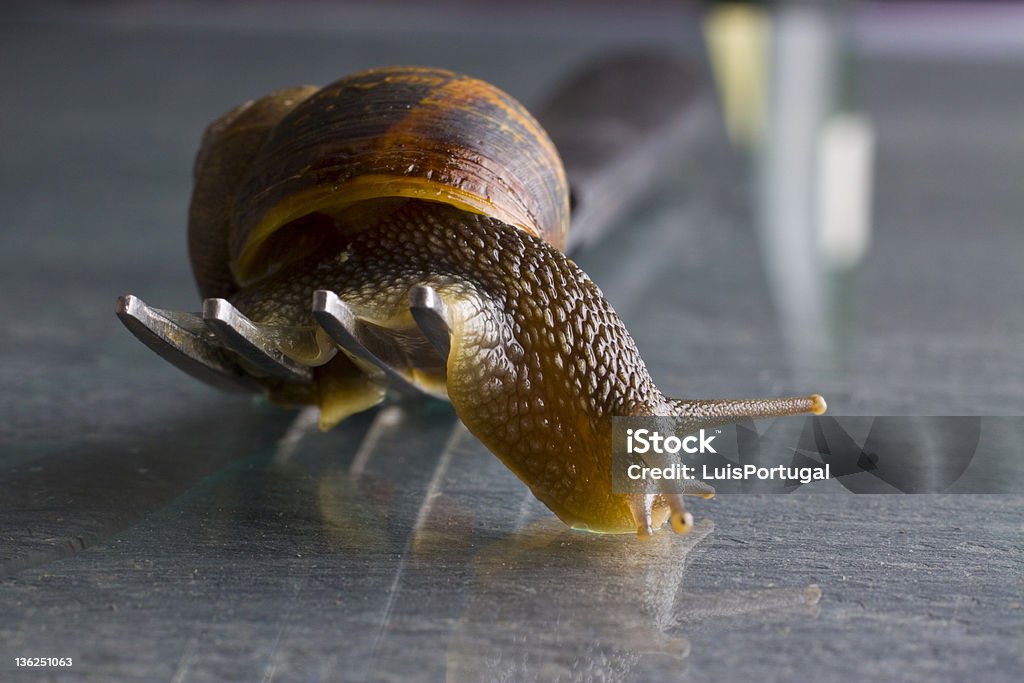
[[429, 210]]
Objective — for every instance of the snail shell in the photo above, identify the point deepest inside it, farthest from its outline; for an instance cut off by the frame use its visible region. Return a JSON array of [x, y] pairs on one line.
[[277, 178]]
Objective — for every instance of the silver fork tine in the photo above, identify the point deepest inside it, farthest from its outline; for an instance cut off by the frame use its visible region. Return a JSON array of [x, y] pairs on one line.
[[341, 324], [183, 340], [242, 336], [431, 315]]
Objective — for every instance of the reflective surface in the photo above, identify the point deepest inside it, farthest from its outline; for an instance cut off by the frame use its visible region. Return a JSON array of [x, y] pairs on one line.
[[154, 529]]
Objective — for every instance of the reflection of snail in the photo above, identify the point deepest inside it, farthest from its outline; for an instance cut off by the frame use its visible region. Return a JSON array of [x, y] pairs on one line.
[[419, 182], [624, 613], [616, 607]]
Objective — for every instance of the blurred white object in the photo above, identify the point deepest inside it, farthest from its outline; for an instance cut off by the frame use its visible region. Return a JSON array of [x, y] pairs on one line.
[[846, 149], [805, 71]]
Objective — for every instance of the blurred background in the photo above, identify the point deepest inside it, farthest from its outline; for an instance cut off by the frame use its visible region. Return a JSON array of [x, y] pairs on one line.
[[845, 217]]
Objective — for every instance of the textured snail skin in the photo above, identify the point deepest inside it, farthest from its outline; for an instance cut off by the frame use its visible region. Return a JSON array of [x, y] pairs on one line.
[[539, 361]]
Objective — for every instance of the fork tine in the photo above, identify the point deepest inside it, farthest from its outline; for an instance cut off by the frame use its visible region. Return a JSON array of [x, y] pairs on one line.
[[431, 315], [184, 341], [341, 324], [242, 336]]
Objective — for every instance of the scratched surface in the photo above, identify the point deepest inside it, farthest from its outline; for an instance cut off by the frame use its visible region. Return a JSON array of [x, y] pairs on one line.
[[153, 529]]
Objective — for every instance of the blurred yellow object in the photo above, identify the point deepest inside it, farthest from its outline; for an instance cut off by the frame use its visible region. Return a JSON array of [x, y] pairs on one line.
[[738, 37]]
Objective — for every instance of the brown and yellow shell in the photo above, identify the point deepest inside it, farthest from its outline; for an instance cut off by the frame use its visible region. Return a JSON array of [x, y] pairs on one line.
[[278, 177]]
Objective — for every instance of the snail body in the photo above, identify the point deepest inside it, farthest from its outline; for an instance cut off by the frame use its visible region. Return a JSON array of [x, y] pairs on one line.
[[395, 179]]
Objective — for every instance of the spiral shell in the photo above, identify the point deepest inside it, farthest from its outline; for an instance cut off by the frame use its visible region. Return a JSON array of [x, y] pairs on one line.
[[279, 177]]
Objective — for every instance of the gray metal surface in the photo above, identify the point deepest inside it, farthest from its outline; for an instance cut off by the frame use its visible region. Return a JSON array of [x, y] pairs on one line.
[[153, 528]]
